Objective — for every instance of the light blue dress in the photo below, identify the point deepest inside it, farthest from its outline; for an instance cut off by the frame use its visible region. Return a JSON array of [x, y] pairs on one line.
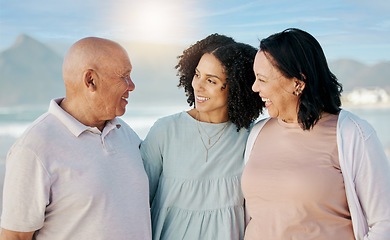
[[192, 199]]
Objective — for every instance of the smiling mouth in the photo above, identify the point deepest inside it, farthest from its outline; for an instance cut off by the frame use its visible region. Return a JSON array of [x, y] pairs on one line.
[[266, 101], [201, 99]]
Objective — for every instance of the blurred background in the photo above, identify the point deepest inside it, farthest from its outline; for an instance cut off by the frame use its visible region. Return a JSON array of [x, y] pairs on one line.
[[35, 35]]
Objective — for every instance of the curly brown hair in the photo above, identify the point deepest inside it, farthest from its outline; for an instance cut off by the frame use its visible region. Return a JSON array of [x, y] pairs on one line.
[[244, 105]]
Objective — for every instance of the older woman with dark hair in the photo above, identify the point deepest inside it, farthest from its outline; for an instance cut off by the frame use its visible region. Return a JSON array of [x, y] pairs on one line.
[[194, 159], [314, 171]]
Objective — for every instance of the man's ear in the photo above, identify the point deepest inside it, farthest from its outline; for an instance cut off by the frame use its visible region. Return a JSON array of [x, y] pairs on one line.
[[90, 78]]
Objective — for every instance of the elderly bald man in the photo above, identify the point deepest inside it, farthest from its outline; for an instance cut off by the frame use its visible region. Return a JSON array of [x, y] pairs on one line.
[[76, 173]]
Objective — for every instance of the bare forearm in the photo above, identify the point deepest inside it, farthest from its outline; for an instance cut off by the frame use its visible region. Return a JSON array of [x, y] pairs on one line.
[[12, 235]]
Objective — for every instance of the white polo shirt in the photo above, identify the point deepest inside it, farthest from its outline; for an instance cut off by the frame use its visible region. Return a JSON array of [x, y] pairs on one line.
[[67, 181]]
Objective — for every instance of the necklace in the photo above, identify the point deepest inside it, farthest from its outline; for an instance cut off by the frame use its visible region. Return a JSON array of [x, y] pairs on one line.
[[209, 138], [201, 138]]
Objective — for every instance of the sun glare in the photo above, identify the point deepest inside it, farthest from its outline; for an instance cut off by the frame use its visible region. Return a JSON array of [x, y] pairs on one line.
[[154, 21]]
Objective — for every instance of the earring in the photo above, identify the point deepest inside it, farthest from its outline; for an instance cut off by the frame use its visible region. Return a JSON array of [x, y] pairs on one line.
[[297, 92]]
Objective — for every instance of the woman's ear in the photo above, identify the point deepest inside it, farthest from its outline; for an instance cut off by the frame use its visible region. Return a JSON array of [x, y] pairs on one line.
[[299, 86]]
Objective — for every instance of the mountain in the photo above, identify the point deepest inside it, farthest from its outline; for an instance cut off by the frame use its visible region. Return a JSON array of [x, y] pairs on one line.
[[353, 74], [30, 73]]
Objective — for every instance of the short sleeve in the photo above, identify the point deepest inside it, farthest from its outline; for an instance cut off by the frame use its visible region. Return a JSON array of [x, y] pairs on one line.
[[26, 191]]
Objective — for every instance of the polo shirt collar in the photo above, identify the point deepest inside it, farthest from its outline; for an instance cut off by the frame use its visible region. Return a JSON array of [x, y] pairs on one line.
[[73, 125]]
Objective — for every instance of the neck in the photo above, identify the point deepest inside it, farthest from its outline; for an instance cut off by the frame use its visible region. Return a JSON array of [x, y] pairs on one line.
[[289, 116], [209, 118], [81, 114], [286, 120]]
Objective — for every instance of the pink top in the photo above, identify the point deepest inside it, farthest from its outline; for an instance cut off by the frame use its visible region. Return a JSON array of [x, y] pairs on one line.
[[293, 185]]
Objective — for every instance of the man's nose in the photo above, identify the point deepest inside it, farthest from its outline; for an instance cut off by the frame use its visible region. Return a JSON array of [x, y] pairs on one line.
[[130, 84]]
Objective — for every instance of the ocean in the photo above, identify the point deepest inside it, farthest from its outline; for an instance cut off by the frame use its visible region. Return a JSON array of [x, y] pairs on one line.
[[14, 121]]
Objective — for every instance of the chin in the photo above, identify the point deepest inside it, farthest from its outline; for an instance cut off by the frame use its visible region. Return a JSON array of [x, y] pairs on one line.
[[272, 114], [120, 114]]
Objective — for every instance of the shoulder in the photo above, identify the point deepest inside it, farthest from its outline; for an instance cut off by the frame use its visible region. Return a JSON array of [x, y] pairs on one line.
[[259, 125], [350, 123], [36, 139], [174, 120], [180, 116], [253, 135], [128, 131], [43, 128], [164, 125], [124, 125]]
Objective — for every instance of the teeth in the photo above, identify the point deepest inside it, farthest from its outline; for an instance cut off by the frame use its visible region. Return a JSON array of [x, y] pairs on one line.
[[124, 98], [265, 99], [202, 98]]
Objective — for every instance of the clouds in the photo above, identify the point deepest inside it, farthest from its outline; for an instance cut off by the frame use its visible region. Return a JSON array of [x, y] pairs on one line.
[[345, 29], [336, 23]]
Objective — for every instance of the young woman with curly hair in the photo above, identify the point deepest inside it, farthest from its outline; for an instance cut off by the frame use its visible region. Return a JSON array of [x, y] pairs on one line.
[[194, 159]]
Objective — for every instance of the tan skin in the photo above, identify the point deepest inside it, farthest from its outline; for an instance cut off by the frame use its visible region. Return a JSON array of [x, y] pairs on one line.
[[100, 81], [210, 90], [276, 90], [96, 74], [11, 235]]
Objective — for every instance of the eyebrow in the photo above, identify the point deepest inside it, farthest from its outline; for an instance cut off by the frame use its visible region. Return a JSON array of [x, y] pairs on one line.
[[260, 75], [209, 75], [125, 73]]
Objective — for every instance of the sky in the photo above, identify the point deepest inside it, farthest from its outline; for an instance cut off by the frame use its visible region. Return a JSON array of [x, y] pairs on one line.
[[355, 29]]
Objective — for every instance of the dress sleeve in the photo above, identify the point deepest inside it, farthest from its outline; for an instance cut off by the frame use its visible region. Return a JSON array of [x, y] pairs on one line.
[[372, 183], [26, 191], [152, 157]]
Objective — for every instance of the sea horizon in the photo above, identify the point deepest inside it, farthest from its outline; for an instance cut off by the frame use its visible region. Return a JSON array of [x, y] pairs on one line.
[[15, 120]]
